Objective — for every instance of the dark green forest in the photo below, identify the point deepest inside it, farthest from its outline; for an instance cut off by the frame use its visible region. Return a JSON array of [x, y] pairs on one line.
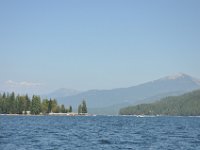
[[21, 104], [184, 105]]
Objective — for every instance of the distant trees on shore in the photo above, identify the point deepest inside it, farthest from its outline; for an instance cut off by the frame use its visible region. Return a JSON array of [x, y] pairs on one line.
[[11, 104]]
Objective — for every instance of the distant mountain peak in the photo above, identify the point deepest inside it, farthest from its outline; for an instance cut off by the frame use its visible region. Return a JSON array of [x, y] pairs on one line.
[[181, 76], [178, 76]]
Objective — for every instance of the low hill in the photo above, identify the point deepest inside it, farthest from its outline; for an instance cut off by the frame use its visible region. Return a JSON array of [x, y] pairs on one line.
[[184, 105]]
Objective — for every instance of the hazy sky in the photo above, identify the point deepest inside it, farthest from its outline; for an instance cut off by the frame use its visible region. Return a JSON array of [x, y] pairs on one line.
[[96, 44]]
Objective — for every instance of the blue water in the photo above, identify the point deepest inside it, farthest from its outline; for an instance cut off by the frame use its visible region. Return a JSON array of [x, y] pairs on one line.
[[98, 133]]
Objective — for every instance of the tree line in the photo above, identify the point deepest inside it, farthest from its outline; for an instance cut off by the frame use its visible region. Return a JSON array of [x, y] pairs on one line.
[[185, 105], [12, 104]]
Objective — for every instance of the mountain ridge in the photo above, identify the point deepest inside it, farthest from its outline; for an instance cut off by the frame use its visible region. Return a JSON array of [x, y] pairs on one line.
[[146, 92], [62, 92]]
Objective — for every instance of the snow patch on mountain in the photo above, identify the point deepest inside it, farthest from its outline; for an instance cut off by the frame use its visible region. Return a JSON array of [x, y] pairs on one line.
[[177, 76]]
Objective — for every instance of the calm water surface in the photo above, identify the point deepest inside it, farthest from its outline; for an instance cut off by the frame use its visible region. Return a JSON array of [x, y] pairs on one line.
[[99, 133]]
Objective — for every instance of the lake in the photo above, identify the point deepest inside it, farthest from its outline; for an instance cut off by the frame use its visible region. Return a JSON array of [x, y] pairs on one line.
[[99, 133]]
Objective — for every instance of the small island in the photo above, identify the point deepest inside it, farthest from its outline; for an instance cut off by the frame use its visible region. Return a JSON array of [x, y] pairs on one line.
[[185, 105], [24, 105]]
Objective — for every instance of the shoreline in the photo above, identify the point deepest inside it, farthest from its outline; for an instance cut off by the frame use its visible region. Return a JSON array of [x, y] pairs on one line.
[[54, 114], [76, 114]]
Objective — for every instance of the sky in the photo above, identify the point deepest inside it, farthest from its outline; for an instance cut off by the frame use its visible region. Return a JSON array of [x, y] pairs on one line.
[[96, 44]]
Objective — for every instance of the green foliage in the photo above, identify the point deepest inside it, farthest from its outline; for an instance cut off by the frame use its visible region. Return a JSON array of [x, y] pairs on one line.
[[28, 103], [184, 105], [11, 104], [79, 109], [62, 109], [45, 106], [54, 106], [70, 109], [36, 105], [82, 108], [50, 106], [21, 104]]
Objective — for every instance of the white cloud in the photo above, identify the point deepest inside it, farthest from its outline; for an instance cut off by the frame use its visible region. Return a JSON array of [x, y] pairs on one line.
[[26, 84]]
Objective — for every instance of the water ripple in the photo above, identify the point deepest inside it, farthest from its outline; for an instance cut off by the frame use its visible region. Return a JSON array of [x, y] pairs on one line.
[[101, 132]]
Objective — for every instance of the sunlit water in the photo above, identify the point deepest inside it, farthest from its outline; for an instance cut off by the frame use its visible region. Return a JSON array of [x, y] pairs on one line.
[[99, 132]]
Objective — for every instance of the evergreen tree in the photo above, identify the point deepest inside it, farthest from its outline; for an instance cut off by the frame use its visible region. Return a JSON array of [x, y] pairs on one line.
[[50, 106], [70, 109], [4, 103], [84, 107], [62, 109], [45, 106], [12, 104], [28, 103], [54, 106], [24, 103], [1, 104], [36, 105], [19, 104], [58, 110]]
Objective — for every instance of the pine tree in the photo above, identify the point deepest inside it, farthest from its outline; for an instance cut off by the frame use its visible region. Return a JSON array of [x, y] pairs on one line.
[[62, 109], [70, 109], [84, 107], [12, 104], [36, 105], [45, 106], [50, 106], [28, 103]]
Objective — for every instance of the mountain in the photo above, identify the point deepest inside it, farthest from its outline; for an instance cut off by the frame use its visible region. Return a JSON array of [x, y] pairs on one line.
[[184, 105], [62, 92], [147, 92]]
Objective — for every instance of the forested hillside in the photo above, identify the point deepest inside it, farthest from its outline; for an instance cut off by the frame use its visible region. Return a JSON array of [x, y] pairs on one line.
[[184, 105]]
